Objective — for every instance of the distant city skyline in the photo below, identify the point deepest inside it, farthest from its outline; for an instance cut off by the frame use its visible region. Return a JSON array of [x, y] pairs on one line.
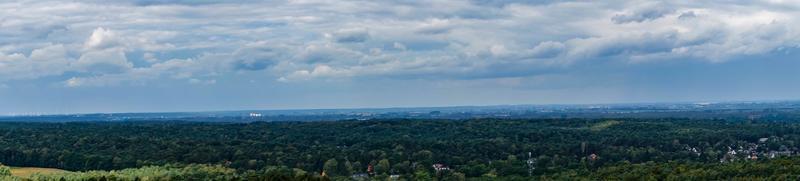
[[89, 56]]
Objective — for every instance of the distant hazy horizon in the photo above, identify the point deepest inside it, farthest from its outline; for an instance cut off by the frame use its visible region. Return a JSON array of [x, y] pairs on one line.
[[402, 107], [88, 56]]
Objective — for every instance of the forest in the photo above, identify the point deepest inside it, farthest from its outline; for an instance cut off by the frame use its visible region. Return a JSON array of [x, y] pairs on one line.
[[406, 149]]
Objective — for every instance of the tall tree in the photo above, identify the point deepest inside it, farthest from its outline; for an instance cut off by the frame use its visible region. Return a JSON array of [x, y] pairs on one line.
[[331, 167], [383, 167]]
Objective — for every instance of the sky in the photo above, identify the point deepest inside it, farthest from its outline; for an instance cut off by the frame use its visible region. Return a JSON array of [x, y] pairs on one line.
[[89, 56]]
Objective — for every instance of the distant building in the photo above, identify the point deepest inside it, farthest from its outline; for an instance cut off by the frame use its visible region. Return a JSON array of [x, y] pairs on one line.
[[762, 140], [785, 153], [753, 156], [440, 167], [593, 157], [360, 176], [252, 114]]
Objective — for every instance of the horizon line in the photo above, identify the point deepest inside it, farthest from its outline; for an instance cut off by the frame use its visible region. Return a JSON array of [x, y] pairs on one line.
[[401, 107]]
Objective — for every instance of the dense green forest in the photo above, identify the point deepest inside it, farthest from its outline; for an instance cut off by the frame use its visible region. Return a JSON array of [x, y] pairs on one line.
[[493, 149]]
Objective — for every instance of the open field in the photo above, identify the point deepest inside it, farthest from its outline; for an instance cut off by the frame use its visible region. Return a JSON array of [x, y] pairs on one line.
[[26, 172]]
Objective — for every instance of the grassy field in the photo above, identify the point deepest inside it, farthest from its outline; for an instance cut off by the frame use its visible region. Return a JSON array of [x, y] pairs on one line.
[[26, 172]]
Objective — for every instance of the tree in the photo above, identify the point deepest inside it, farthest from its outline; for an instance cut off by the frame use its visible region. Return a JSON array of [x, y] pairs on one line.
[[422, 175], [402, 168], [5, 170], [383, 167], [349, 169], [331, 167], [455, 176]]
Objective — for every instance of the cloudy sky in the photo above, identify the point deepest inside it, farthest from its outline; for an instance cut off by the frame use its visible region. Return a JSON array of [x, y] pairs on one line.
[[185, 55]]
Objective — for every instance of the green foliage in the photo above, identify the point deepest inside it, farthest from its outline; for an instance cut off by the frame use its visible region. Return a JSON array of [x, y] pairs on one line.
[[187, 172], [776, 169], [349, 168], [382, 167], [169, 172], [10, 178], [422, 175], [484, 149], [5, 170], [454, 176], [331, 167]]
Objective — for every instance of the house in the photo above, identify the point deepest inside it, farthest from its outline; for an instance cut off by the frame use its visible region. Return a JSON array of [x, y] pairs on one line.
[[593, 157], [440, 167], [763, 140], [784, 153], [753, 156]]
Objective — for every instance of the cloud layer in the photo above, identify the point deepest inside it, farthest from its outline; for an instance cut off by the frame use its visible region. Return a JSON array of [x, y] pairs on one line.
[[93, 43]]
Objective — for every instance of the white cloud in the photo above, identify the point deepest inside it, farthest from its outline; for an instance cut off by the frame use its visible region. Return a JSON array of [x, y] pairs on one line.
[[328, 53], [548, 49], [101, 39], [195, 71], [202, 82], [150, 57], [258, 56], [129, 41], [435, 26], [103, 62], [318, 71], [46, 61], [74, 82], [399, 46], [644, 12]]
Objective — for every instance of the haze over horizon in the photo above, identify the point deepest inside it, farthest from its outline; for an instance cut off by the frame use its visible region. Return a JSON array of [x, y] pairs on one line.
[[93, 56], [433, 107]]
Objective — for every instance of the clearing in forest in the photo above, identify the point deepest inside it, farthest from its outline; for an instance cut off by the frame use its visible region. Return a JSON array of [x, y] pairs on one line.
[[26, 172], [603, 125]]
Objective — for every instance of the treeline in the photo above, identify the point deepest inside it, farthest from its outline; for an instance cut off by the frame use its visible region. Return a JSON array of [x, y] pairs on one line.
[[408, 149]]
